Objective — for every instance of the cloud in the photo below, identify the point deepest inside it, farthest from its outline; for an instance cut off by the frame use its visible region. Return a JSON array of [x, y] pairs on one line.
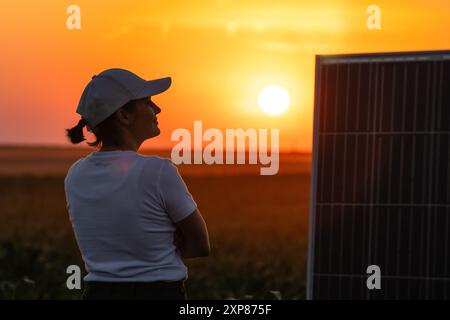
[[251, 18]]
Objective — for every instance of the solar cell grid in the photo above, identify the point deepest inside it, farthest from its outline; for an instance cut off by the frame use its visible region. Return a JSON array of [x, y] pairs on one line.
[[380, 193]]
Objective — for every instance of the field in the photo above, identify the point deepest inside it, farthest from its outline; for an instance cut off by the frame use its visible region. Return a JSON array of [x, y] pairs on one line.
[[258, 227]]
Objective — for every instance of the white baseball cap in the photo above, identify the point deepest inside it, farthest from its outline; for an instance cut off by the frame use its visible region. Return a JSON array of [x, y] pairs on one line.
[[111, 89]]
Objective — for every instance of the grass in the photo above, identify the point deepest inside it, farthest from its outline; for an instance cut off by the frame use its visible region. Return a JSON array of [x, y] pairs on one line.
[[257, 225]]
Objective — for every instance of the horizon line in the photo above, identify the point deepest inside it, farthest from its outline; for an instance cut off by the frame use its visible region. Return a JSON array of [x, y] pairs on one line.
[[65, 146]]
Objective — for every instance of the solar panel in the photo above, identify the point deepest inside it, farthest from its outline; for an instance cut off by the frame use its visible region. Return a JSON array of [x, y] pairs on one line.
[[380, 180]]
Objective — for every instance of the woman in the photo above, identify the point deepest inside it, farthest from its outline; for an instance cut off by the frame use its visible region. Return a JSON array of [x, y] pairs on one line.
[[133, 217]]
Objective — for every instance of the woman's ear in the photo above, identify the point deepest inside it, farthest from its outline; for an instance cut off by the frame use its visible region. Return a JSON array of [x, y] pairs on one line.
[[124, 117]]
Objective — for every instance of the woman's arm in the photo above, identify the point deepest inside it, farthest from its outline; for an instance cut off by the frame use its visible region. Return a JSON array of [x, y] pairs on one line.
[[191, 236]]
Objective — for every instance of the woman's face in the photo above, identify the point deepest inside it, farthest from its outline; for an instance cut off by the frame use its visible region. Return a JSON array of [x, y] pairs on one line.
[[146, 124]]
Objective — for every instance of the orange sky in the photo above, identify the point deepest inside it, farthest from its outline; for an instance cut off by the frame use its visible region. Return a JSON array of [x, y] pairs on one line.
[[218, 53]]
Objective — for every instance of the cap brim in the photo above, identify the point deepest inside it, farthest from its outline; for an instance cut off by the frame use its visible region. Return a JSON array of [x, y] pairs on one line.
[[154, 87]]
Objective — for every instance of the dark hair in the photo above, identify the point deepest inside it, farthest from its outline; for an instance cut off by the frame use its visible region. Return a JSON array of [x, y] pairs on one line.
[[106, 132]]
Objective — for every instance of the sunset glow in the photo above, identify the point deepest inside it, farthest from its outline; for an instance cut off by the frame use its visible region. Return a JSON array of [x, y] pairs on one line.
[[220, 55]]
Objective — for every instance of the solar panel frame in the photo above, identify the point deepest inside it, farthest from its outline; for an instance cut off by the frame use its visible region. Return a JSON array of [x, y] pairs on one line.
[[375, 213]]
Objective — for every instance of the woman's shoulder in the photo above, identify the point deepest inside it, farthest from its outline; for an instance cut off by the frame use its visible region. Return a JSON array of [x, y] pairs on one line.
[[74, 166], [156, 163], [154, 160], [155, 169]]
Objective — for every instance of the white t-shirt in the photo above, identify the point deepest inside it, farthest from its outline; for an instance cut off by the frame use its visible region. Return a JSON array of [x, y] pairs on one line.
[[122, 207]]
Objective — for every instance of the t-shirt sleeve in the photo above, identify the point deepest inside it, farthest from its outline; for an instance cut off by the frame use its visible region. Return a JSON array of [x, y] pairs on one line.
[[177, 200]]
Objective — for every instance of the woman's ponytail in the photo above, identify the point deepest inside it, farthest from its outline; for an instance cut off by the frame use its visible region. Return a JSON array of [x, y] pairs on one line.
[[75, 134]]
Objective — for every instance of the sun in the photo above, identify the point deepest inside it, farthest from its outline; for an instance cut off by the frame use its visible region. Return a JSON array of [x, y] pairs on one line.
[[273, 100]]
